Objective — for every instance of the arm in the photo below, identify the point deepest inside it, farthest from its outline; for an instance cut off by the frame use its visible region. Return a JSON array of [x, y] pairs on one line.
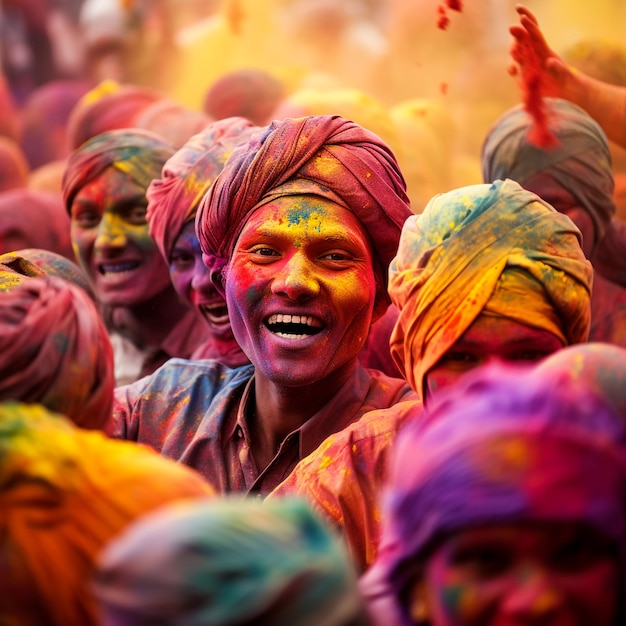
[[604, 102]]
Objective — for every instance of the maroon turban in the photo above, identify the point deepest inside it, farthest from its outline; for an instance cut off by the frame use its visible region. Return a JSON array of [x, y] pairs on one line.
[[325, 155], [55, 350], [173, 199]]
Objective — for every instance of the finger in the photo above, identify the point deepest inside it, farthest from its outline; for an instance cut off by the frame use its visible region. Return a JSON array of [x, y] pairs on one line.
[[525, 12]]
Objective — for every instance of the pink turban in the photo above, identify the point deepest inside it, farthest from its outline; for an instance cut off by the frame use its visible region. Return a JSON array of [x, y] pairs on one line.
[[173, 121], [34, 219], [327, 156], [108, 106], [14, 168], [55, 350], [174, 198]]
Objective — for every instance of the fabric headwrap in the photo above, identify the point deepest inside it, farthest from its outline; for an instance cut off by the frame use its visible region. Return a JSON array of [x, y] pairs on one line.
[[138, 153], [580, 162], [505, 446], [229, 562], [55, 350], [327, 156], [64, 494], [485, 248], [173, 198]]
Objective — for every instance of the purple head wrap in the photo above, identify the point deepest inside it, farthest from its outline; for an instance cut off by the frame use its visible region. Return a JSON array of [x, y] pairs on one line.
[[507, 445]]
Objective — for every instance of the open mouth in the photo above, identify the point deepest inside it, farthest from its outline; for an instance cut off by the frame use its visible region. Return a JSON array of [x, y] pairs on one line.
[[293, 326], [117, 269], [215, 313]]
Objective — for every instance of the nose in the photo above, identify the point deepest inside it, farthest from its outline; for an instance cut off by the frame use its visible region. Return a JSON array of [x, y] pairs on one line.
[[201, 278], [296, 278], [533, 597], [111, 233]]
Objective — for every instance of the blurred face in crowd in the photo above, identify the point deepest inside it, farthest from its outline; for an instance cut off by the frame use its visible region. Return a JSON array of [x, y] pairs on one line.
[[559, 574], [111, 240]]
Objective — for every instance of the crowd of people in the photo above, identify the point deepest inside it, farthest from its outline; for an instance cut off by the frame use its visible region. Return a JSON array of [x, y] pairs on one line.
[[295, 357]]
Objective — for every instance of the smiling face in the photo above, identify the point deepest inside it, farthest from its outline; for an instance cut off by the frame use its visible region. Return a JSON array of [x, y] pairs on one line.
[[300, 289], [490, 339], [190, 278], [111, 241], [563, 574]]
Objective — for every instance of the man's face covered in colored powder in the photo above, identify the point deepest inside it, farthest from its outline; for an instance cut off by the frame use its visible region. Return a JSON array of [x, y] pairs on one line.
[[111, 241], [560, 574], [490, 339], [300, 289], [191, 279]]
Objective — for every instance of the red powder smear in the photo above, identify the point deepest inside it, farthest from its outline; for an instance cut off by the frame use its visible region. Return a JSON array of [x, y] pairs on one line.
[[539, 134], [443, 20], [234, 16], [444, 88]]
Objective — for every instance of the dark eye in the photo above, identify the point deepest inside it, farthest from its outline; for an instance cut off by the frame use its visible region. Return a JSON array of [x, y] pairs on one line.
[[579, 549], [459, 356], [180, 259], [482, 561], [529, 356], [86, 218], [136, 215], [336, 256]]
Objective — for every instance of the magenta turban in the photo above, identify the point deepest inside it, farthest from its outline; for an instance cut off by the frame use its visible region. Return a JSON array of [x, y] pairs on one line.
[[55, 350], [174, 198], [327, 156]]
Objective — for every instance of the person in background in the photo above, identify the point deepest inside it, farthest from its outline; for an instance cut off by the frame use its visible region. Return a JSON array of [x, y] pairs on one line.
[[173, 201], [34, 219], [574, 176], [297, 232], [505, 504], [65, 493], [228, 561], [104, 190], [485, 273]]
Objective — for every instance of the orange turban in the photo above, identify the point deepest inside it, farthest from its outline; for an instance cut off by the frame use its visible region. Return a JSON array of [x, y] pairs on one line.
[[485, 247], [64, 494]]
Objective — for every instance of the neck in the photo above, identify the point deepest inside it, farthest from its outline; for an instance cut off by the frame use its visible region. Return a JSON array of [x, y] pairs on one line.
[[148, 323], [279, 410]]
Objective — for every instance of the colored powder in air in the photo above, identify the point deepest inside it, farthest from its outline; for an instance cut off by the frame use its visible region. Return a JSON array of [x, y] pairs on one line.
[[234, 16], [539, 134], [443, 21], [444, 89]]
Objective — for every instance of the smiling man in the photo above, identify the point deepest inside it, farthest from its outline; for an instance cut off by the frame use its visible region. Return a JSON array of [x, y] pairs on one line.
[[297, 231], [104, 188]]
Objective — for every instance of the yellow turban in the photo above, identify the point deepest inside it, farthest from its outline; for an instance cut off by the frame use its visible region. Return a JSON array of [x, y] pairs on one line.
[[64, 493], [485, 248]]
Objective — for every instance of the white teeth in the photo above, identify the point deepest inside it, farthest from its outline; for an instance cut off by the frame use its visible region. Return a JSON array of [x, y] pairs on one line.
[[286, 318], [290, 336]]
